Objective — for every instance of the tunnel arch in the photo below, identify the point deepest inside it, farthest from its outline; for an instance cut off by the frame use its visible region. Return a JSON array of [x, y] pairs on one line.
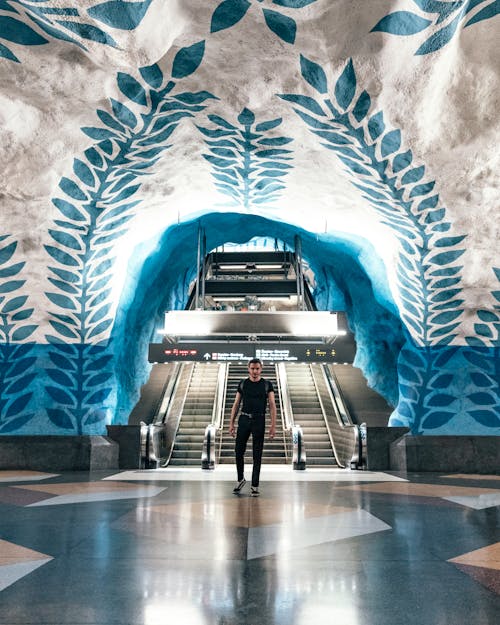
[[348, 271]]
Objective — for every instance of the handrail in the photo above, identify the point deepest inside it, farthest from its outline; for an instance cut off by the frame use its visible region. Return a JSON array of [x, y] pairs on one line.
[[344, 421], [289, 426], [337, 397], [168, 393], [325, 417], [208, 455], [220, 397]]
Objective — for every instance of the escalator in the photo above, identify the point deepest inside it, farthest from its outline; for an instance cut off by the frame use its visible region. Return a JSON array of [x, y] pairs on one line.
[[196, 413], [308, 413]]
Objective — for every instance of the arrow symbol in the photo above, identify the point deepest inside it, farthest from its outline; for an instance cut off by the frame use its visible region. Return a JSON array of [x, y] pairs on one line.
[[207, 356]]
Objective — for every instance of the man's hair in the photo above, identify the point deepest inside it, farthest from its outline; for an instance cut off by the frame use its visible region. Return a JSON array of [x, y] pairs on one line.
[[255, 361]]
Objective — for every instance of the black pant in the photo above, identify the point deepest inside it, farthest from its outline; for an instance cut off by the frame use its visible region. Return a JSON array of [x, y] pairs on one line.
[[255, 426]]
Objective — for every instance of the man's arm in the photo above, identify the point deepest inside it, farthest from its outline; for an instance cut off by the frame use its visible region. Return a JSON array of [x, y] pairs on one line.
[[272, 412], [234, 412]]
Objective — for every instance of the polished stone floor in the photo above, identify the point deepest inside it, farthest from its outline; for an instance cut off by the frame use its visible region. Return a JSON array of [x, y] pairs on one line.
[[317, 547]]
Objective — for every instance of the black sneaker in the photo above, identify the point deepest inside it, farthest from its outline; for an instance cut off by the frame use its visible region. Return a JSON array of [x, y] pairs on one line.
[[254, 491], [239, 486]]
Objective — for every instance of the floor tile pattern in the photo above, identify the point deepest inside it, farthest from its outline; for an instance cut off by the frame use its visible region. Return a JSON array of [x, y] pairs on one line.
[[157, 548]]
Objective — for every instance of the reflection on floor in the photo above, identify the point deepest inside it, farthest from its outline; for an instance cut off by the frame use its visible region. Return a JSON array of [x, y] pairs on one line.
[[319, 546]]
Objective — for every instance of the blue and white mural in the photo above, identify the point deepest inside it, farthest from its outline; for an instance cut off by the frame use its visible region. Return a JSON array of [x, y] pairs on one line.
[[260, 118]]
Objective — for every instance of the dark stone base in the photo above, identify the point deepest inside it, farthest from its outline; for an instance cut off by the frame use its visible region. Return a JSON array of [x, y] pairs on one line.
[[378, 444], [128, 439], [58, 453], [454, 454]]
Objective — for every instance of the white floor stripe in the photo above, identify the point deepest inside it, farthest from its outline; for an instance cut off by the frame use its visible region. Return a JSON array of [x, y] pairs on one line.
[[269, 473]]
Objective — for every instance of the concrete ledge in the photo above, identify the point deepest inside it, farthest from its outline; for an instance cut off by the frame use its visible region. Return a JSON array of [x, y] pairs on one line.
[[454, 454], [58, 453], [378, 444]]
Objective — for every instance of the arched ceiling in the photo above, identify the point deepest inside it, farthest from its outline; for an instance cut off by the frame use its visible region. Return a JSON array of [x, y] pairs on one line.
[[370, 122]]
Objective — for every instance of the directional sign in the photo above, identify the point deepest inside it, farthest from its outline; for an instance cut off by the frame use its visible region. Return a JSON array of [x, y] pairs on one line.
[[343, 350]]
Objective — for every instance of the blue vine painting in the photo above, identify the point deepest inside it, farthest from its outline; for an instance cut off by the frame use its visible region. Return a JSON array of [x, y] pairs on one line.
[[440, 20], [428, 269], [230, 12], [249, 164], [95, 207], [38, 22], [17, 359]]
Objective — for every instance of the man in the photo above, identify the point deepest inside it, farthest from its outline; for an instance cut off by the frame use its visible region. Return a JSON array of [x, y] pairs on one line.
[[253, 393]]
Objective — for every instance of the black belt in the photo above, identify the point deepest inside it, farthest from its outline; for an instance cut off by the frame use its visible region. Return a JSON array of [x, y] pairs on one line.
[[251, 415]]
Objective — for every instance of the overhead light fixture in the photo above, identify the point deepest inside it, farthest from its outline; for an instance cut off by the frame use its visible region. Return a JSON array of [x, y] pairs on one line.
[[243, 323]]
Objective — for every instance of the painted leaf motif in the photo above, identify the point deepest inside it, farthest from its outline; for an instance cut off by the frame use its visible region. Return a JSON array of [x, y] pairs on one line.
[[345, 87], [60, 418], [123, 113], [16, 31], [22, 333], [376, 125], [486, 417], [264, 126], [401, 161], [409, 374], [188, 59], [228, 13], [18, 405], [87, 31], [362, 106], [83, 172], [11, 285], [72, 189], [7, 54], [131, 88], [7, 252], [153, 75], [440, 38], [99, 396], [483, 399], [60, 395], [401, 23], [119, 14], [390, 143], [281, 25], [306, 102], [99, 134], [14, 303], [293, 4], [437, 419], [481, 379], [314, 75], [440, 399]]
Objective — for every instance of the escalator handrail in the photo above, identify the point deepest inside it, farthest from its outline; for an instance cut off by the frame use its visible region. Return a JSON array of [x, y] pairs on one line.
[[220, 397], [343, 418], [168, 393], [337, 397], [286, 404]]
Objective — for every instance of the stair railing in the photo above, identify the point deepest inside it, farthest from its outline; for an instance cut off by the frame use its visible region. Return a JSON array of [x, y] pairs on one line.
[[290, 428], [214, 428], [157, 438], [348, 455]]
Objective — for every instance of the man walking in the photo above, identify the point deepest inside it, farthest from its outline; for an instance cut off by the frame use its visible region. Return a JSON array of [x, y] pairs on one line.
[[253, 394]]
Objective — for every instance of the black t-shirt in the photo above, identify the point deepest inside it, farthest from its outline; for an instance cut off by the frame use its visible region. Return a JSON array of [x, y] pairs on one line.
[[254, 395]]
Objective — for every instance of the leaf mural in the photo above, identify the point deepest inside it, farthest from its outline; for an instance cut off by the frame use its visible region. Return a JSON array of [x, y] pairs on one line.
[[16, 356], [229, 12], [249, 161], [441, 22], [97, 201], [65, 23], [428, 272], [487, 331]]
